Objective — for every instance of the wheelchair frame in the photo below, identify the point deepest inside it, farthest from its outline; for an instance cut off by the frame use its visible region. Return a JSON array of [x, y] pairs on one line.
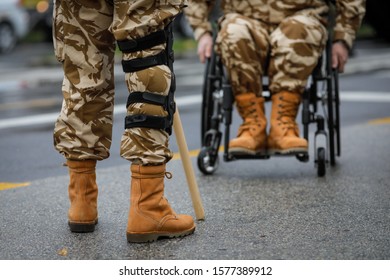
[[217, 108]]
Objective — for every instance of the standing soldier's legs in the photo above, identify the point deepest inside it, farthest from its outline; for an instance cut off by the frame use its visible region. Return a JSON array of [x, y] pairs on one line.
[[243, 46], [141, 28], [82, 132], [296, 47]]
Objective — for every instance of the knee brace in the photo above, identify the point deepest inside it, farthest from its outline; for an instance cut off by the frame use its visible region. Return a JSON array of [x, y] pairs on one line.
[[165, 57]]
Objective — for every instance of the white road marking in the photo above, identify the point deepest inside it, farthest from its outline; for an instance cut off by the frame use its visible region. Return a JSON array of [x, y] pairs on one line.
[[184, 101], [365, 96], [51, 117]]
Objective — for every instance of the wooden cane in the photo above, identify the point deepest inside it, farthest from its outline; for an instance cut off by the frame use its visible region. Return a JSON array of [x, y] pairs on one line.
[[188, 169]]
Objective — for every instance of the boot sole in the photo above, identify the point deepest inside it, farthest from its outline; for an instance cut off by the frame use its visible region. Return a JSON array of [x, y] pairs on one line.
[[243, 151], [82, 227], [290, 151], [152, 237]]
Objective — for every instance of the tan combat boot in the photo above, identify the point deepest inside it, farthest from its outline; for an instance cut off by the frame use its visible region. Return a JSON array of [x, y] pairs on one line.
[[284, 133], [251, 138], [150, 215], [83, 193]]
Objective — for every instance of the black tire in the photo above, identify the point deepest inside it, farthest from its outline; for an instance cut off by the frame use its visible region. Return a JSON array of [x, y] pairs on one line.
[[303, 157], [334, 118], [321, 162], [207, 102], [211, 82], [332, 107], [8, 38], [337, 113], [211, 116], [208, 161]]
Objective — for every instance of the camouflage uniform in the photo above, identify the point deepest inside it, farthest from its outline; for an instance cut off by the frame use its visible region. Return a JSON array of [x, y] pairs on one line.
[[293, 32], [84, 38]]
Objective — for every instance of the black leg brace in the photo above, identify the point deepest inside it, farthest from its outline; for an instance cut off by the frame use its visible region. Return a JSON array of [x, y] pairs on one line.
[[165, 57]]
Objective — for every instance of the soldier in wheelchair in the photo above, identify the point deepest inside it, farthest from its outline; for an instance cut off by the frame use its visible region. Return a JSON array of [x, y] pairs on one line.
[[283, 40]]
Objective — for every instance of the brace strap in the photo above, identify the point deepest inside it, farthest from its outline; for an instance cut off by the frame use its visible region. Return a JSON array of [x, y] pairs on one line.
[[147, 121], [139, 64], [156, 122], [146, 97], [147, 42]]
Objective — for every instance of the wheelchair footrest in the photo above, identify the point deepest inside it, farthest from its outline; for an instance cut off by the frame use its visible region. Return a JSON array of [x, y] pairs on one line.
[[231, 157], [301, 156]]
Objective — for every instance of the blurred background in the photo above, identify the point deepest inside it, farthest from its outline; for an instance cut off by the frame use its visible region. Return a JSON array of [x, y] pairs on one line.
[[24, 21], [30, 21]]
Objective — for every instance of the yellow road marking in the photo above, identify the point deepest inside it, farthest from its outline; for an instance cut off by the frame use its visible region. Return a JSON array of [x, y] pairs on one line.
[[7, 185], [380, 121], [193, 153]]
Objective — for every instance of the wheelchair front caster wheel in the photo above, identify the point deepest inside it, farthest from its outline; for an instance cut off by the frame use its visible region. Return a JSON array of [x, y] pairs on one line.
[[321, 162], [207, 161], [303, 157]]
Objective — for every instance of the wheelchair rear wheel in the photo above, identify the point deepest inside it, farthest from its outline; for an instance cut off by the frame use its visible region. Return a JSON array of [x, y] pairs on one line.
[[211, 117], [207, 111], [333, 119], [211, 83]]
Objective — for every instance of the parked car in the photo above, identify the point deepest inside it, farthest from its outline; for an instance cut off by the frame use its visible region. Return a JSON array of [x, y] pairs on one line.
[[181, 27], [41, 14], [14, 24]]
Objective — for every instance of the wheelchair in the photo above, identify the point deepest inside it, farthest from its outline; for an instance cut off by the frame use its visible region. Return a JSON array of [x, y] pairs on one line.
[[320, 105]]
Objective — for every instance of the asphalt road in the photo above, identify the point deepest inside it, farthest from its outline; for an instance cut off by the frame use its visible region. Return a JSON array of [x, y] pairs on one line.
[[260, 210]]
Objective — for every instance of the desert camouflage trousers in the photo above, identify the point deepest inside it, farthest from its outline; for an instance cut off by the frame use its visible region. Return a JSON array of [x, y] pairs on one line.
[[85, 33], [291, 50]]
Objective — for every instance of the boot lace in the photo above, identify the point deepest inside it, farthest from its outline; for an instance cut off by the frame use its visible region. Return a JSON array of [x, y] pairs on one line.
[[250, 116], [168, 175], [287, 114]]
